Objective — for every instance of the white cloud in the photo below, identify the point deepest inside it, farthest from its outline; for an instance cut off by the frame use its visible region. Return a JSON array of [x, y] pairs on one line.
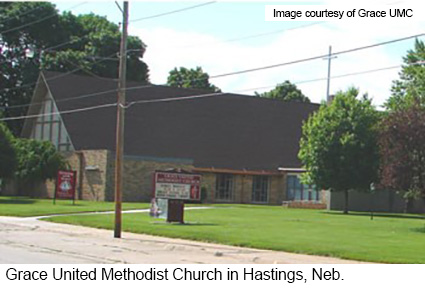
[[169, 48]]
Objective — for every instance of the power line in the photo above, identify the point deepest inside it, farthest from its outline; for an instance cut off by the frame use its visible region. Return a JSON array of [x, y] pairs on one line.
[[172, 12], [240, 90], [59, 112], [272, 32], [51, 48], [179, 98], [89, 72], [20, 15], [172, 99], [79, 97], [250, 36], [39, 20], [325, 78], [55, 77], [255, 69], [315, 57], [111, 105]]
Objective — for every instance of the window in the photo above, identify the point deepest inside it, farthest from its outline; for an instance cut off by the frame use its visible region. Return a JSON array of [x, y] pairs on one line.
[[260, 189], [224, 187], [296, 191], [49, 127]]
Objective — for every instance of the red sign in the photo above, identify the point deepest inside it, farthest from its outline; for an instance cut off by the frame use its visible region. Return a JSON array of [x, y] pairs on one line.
[[65, 185], [182, 186]]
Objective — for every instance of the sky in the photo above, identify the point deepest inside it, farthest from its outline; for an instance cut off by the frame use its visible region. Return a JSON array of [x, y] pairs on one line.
[[223, 37]]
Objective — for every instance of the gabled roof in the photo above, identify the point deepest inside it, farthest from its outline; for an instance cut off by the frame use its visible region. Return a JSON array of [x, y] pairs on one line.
[[229, 131]]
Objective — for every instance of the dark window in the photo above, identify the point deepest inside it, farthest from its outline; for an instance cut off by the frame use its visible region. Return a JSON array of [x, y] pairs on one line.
[[260, 189], [297, 191], [224, 187]]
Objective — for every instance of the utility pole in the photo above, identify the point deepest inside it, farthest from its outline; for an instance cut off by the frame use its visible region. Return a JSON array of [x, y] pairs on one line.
[[119, 155], [329, 58]]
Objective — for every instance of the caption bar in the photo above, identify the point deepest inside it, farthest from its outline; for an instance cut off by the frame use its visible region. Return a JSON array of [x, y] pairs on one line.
[[169, 276], [339, 13]]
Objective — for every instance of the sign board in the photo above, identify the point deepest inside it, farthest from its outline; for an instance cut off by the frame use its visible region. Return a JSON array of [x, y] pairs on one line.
[[65, 185], [177, 185]]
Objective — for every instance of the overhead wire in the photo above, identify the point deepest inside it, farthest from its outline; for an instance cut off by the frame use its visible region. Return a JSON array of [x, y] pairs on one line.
[[39, 20], [170, 99], [251, 36], [20, 15], [325, 78], [55, 77], [279, 64], [172, 12], [316, 57], [241, 90]]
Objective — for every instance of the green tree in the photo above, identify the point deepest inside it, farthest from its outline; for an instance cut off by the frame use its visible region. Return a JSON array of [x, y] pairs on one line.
[[410, 88], [86, 44], [285, 91], [37, 160], [8, 160], [191, 78], [339, 147]]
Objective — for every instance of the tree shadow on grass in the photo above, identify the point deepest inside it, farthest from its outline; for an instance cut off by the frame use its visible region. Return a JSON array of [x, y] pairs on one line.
[[192, 224], [381, 215], [419, 230], [17, 201]]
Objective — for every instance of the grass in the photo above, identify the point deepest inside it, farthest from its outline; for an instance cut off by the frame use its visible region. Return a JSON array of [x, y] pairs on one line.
[[387, 238], [26, 207]]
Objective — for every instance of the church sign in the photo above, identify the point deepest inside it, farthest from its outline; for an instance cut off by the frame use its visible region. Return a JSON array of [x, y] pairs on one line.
[[177, 185], [65, 185]]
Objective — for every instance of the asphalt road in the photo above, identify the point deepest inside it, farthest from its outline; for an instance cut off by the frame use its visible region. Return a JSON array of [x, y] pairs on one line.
[[33, 241]]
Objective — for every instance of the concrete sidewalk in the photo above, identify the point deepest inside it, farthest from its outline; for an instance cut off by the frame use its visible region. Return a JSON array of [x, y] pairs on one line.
[[30, 240]]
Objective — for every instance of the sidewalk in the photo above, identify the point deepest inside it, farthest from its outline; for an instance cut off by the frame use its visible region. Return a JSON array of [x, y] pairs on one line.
[[29, 240]]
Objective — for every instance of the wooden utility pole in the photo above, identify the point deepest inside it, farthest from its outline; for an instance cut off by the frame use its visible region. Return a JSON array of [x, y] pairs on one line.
[[119, 162]]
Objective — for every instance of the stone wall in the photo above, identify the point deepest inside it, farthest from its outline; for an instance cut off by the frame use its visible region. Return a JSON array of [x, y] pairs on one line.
[[138, 176], [91, 167]]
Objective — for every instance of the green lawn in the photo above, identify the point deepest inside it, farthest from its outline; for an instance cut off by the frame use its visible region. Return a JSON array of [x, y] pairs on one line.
[[25, 207], [386, 238]]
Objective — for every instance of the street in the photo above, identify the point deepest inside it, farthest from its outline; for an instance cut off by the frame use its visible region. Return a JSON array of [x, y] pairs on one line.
[[33, 241]]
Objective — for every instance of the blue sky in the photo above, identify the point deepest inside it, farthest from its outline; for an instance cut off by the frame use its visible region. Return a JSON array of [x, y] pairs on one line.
[[199, 37]]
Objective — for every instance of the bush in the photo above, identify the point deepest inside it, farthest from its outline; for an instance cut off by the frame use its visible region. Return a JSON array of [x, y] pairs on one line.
[[37, 160]]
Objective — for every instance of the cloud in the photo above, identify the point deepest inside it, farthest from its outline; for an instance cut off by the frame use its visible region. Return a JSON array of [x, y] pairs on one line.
[[169, 48]]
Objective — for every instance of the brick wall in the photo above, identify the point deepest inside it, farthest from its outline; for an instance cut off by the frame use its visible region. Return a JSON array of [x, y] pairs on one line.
[[137, 175]]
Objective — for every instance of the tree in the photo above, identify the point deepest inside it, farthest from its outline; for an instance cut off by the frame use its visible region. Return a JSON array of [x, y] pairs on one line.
[[7, 153], [285, 91], [37, 160], [191, 78], [402, 146], [86, 44], [410, 88], [339, 148]]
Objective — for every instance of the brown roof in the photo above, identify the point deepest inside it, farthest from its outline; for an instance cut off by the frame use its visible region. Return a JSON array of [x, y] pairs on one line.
[[224, 131]]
